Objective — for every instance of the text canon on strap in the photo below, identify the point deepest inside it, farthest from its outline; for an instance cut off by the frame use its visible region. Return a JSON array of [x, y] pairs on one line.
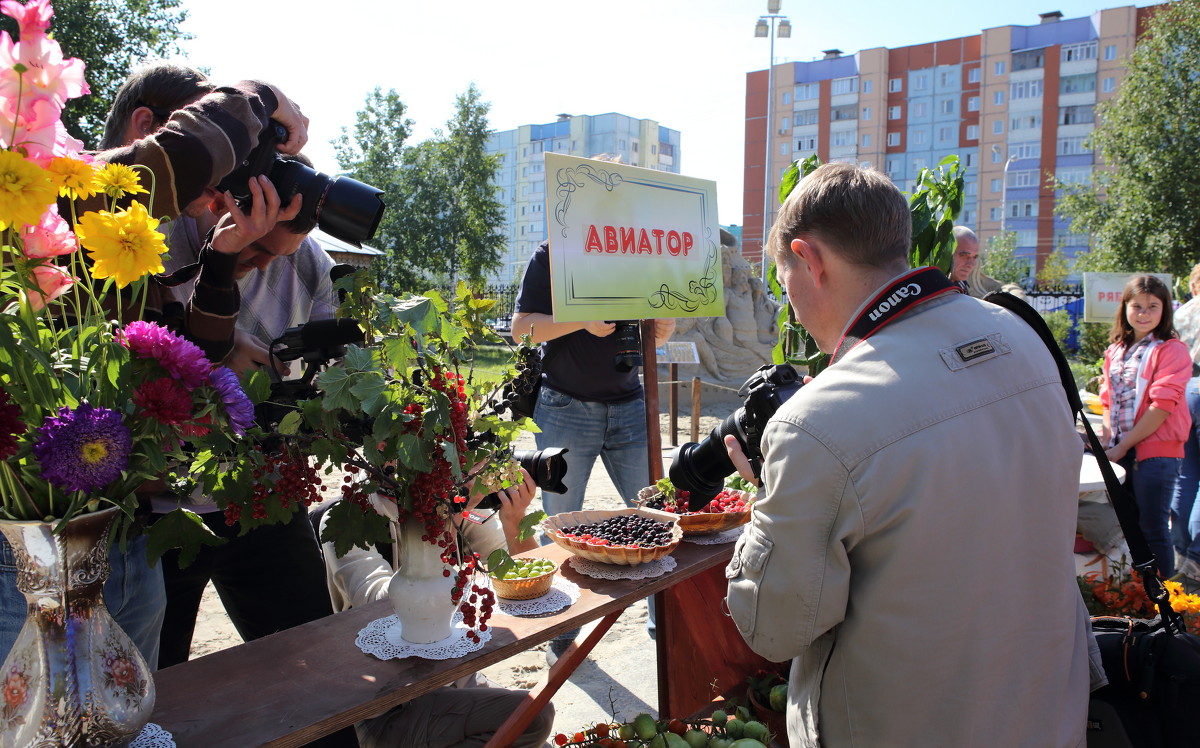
[[892, 301]]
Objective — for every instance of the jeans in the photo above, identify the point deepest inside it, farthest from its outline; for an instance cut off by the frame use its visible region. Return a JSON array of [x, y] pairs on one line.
[[270, 579], [616, 433], [1185, 510], [133, 593], [1152, 482]]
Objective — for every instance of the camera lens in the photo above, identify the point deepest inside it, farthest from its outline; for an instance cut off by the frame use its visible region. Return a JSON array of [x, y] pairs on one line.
[[628, 338], [701, 468], [343, 207], [547, 468]]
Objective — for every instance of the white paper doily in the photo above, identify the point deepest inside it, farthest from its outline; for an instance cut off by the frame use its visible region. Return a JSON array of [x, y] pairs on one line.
[[596, 570], [563, 593], [381, 638], [719, 538], [153, 736]]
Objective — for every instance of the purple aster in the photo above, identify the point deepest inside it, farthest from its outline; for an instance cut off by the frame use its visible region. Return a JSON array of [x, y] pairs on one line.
[[82, 449], [181, 358], [237, 405]]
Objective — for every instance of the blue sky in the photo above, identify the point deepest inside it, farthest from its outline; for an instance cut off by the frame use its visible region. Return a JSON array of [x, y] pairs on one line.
[[681, 62]]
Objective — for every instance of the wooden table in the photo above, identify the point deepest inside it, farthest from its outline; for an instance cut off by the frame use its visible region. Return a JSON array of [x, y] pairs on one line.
[[295, 686]]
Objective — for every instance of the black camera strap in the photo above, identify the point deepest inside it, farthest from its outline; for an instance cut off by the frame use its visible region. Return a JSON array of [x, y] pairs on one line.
[[890, 302]]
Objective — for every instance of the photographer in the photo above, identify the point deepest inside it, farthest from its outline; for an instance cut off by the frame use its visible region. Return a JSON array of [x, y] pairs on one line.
[[911, 551]]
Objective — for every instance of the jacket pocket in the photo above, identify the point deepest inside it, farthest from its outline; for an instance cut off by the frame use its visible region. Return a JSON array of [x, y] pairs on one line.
[[745, 573]]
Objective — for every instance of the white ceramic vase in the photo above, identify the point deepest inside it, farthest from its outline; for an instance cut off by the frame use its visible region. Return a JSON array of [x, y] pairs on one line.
[[420, 590]]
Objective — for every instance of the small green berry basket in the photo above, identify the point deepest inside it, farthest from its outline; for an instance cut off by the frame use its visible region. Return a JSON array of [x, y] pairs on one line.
[[525, 588]]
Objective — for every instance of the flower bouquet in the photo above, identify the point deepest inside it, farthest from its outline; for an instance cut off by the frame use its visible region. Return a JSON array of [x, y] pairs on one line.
[[1118, 592]]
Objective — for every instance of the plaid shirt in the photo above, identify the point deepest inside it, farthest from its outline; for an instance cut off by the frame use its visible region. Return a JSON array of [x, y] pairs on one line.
[[1122, 376]]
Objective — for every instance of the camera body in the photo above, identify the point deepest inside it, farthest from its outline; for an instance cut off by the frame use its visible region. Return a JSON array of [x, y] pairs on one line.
[[701, 468], [342, 207], [628, 337]]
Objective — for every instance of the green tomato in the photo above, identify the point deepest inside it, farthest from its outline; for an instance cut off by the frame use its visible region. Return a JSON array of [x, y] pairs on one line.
[[696, 738], [755, 730], [734, 728], [719, 718], [626, 732], [674, 741], [747, 743], [645, 726], [717, 742], [779, 698]]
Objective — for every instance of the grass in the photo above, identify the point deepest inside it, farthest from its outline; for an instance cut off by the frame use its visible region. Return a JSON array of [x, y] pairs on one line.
[[491, 361]]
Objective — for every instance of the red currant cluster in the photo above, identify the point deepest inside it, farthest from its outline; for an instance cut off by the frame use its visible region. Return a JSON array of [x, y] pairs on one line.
[[287, 477], [353, 489], [477, 600]]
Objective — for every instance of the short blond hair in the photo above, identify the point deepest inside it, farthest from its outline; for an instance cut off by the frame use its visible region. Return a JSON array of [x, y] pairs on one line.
[[859, 213]]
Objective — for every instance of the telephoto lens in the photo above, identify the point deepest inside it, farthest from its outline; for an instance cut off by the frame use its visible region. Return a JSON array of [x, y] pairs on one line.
[[546, 466], [628, 338]]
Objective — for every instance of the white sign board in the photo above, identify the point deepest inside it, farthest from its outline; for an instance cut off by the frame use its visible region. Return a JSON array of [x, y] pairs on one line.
[[681, 352], [1102, 293]]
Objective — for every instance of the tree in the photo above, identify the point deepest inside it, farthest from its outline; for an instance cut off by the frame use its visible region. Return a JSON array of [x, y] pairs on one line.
[[111, 37], [1000, 261], [1144, 214], [1055, 269]]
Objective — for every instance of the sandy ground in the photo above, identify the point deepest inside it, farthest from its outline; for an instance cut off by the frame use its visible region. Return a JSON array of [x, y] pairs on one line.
[[619, 678]]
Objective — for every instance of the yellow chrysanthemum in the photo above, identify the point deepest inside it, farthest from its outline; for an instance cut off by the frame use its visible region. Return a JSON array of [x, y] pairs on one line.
[[117, 181], [124, 245], [74, 178], [25, 190]]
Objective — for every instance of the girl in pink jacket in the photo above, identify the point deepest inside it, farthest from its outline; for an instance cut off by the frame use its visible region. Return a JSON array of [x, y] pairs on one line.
[[1146, 420]]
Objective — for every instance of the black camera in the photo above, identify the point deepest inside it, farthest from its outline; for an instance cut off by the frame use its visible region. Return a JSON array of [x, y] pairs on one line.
[[547, 468], [342, 207], [702, 468], [628, 338]]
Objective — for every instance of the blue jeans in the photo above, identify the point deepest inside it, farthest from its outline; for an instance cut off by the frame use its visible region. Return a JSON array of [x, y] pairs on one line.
[[1185, 510], [615, 433], [133, 593], [1153, 483]]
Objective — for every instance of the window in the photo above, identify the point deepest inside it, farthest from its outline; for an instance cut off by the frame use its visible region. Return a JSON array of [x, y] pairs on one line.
[[1023, 178], [999, 68], [1081, 51], [1029, 60], [842, 113], [946, 78], [997, 127], [787, 98], [996, 157], [866, 112], [918, 164], [1068, 239], [653, 148], [866, 86], [1110, 85], [1025, 89], [893, 112], [1026, 237], [945, 133], [864, 164], [784, 124], [892, 167], [994, 214], [843, 86], [973, 75], [783, 149], [1072, 146], [1110, 52], [920, 81], [1076, 115], [972, 103], [843, 138], [998, 98], [866, 140], [1026, 149], [1077, 84], [920, 137], [806, 117], [895, 85], [919, 109], [893, 139], [969, 159], [968, 218], [806, 91], [946, 106], [807, 144], [1074, 174], [971, 187], [1029, 121], [1023, 209], [972, 134]]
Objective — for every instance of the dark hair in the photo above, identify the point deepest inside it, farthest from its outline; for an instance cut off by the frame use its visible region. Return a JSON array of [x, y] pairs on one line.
[[160, 87], [859, 212], [1122, 331], [302, 223]]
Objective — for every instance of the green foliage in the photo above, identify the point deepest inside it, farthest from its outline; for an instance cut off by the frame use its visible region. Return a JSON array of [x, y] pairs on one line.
[[444, 217], [1093, 340], [1059, 322], [111, 37], [1144, 213], [1055, 269], [1000, 261]]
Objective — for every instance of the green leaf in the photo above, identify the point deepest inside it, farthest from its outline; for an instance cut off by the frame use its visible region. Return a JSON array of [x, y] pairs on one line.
[[179, 529], [336, 387], [791, 178], [413, 453], [258, 386], [291, 423], [371, 390], [529, 524], [348, 525], [499, 562]]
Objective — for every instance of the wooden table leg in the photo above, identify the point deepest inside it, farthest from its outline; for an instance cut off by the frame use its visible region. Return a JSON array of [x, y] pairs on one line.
[[537, 698]]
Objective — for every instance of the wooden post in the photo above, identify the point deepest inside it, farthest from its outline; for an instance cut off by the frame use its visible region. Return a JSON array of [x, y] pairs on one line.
[[650, 380], [673, 405], [695, 409]]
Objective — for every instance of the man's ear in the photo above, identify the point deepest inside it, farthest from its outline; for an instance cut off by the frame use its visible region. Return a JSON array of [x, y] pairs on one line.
[[141, 123], [813, 256]]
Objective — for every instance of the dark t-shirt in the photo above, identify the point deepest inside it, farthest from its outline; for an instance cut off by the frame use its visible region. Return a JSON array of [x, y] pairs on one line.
[[580, 363]]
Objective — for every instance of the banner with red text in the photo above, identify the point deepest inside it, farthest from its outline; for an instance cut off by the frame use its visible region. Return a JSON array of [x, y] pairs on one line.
[[631, 243], [1102, 294]]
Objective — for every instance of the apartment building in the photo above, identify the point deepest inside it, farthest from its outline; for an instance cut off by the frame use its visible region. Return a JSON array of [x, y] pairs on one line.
[[1014, 103], [523, 183]]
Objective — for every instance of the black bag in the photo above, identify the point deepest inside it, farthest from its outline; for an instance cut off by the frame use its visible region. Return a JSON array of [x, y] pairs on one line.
[[1153, 667], [1153, 692]]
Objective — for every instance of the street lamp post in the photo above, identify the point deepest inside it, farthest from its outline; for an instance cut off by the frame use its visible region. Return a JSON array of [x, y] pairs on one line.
[[1004, 190], [766, 27]]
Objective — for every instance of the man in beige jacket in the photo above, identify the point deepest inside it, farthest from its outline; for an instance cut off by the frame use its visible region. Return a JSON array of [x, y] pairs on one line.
[[911, 552]]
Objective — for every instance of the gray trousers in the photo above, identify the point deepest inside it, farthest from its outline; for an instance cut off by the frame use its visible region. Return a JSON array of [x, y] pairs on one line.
[[452, 717]]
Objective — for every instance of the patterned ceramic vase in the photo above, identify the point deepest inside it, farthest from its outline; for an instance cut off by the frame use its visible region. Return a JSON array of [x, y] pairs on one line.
[[419, 591], [73, 678]]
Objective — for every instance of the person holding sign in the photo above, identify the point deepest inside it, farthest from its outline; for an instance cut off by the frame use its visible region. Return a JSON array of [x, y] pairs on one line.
[[590, 403]]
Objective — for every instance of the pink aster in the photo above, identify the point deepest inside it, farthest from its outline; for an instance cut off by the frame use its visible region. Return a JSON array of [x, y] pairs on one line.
[[50, 237], [181, 358], [165, 400]]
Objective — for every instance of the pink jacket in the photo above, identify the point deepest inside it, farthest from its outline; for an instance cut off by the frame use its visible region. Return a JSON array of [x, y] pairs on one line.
[[1161, 383]]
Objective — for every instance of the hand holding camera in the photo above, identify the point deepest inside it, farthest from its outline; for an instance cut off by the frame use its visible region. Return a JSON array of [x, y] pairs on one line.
[[237, 229]]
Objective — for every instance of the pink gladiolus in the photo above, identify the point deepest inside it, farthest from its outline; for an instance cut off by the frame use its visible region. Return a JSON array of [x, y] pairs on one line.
[[52, 281], [32, 18], [50, 237]]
